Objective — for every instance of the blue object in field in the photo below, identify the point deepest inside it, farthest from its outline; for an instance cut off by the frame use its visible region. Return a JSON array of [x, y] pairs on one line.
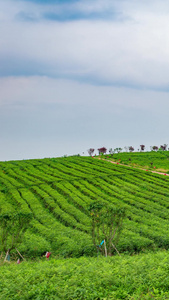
[[8, 257], [101, 243]]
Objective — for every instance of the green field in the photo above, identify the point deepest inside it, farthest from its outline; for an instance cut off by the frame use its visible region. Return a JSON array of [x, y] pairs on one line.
[[58, 192], [149, 160]]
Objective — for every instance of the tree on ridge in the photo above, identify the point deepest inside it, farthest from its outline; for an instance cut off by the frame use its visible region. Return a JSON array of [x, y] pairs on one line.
[[102, 150], [90, 151]]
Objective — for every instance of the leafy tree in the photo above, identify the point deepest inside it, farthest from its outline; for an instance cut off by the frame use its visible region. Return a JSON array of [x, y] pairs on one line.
[[131, 149], [106, 224], [111, 151], [102, 150], [12, 228], [142, 147], [153, 148], [118, 150], [90, 151], [164, 147]]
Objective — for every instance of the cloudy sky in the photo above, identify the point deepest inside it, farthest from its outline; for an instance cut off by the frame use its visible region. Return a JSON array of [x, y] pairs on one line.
[[76, 74]]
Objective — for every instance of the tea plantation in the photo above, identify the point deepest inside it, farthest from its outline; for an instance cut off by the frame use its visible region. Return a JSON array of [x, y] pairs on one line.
[[58, 192], [150, 160]]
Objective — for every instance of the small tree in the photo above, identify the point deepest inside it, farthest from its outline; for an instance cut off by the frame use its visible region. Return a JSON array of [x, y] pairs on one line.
[[126, 148], [131, 149], [164, 147], [142, 147], [12, 228], [153, 148], [118, 150], [90, 151], [111, 151], [106, 224], [102, 150]]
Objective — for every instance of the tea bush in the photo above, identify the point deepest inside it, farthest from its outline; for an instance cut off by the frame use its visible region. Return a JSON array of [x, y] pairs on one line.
[[144, 276]]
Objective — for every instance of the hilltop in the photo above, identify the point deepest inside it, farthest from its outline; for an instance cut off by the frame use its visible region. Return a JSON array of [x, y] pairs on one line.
[[156, 161]]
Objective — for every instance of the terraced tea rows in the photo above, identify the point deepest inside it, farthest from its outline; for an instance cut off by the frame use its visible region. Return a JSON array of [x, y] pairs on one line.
[[59, 191], [148, 160]]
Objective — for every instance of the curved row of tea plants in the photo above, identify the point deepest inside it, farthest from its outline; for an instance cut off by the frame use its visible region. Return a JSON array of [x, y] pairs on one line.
[[58, 193], [148, 160]]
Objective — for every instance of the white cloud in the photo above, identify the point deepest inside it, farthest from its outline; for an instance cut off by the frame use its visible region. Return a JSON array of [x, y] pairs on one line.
[[32, 91], [99, 78], [134, 52]]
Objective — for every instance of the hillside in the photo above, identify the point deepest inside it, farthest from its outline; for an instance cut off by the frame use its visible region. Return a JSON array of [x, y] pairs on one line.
[[157, 161], [58, 192]]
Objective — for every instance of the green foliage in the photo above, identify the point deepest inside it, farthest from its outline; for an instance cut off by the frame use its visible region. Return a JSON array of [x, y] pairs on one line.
[[128, 277], [159, 159], [13, 226], [58, 191], [34, 245], [106, 223]]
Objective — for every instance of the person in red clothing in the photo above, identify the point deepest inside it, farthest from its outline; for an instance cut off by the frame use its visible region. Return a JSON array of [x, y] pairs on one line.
[[48, 255]]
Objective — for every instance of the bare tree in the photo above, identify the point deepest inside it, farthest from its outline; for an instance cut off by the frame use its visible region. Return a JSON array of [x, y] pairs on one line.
[[111, 151], [126, 148], [90, 151]]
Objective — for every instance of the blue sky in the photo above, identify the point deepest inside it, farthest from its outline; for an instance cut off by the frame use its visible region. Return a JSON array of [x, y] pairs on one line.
[[80, 74]]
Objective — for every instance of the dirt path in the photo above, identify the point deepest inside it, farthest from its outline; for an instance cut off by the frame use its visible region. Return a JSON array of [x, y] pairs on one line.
[[116, 163]]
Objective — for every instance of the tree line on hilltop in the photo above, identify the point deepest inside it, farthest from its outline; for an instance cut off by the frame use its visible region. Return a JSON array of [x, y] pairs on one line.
[[103, 150]]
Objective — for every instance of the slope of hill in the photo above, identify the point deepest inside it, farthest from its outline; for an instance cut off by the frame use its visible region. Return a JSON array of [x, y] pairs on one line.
[[149, 160], [58, 192]]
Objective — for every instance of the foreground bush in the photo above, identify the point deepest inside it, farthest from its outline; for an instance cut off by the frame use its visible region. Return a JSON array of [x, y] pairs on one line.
[[144, 276]]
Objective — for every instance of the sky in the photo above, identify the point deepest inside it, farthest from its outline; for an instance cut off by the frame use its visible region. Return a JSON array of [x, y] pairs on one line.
[[80, 74]]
